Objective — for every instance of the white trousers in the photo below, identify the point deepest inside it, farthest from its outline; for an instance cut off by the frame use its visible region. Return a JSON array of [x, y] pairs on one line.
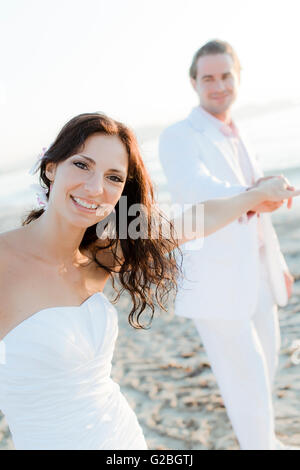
[[244, 356]]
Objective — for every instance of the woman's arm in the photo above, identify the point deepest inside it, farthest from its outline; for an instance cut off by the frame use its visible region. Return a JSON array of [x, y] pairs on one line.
[[217, 213]]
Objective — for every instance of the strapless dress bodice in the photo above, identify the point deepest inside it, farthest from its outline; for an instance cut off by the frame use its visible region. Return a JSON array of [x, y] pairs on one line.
[[55, 386]]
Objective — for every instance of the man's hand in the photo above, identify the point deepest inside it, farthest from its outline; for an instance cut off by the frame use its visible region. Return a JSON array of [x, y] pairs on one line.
[[270, 206], [267, 206], [289, 281]]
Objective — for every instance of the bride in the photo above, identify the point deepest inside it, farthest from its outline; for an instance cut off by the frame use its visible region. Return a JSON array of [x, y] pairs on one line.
[[57, 328]]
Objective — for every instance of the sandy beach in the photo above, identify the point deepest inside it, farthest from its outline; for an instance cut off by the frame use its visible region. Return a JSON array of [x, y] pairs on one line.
[[165, 374]]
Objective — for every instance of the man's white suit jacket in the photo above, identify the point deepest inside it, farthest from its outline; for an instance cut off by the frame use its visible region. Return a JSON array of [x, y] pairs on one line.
[[222, 278]]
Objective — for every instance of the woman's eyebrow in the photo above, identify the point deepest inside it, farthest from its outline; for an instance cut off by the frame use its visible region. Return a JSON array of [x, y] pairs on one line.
[[88, 158], [94, 163]]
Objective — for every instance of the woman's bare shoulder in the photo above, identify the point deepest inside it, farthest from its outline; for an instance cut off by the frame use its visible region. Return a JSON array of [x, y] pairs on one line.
[[10, 242], [5, 245], [10, 238], [3, 256], [9, 266]]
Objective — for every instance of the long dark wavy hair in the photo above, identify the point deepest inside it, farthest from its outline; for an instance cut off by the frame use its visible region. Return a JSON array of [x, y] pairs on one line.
[[149, 268]]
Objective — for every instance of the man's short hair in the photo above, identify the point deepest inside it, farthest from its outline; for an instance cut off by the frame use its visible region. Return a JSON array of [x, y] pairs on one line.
[[214, 47]]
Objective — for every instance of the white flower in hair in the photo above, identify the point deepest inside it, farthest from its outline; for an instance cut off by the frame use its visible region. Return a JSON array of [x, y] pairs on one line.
[[40, 194]]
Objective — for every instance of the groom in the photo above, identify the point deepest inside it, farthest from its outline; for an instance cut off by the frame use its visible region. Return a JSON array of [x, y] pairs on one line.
[[233, 284]]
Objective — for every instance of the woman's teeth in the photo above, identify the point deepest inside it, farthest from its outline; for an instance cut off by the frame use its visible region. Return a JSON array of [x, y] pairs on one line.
[[84, 204]]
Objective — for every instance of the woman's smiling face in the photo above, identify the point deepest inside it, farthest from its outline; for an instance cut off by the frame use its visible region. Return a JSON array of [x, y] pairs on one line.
[[94, 176]]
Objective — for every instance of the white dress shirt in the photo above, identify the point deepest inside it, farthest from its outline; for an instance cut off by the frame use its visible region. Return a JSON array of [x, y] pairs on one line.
[[240, 152]]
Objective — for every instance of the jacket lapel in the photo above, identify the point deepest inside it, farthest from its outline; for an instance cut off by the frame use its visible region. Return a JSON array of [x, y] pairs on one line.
[[223, 148], [258, 173], [227, 154]]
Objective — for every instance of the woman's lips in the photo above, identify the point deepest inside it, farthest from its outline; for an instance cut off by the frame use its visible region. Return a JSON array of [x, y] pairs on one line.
[[102, 210], [84, 209]]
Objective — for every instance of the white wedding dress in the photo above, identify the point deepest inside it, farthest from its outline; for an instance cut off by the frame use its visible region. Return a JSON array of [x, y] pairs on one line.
[[55, 385]]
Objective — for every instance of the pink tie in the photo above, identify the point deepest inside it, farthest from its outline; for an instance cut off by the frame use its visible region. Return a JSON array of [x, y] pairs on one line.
[[229, 130]]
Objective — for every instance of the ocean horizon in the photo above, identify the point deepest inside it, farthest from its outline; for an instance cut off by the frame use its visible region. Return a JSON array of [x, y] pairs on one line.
[[272, 132]]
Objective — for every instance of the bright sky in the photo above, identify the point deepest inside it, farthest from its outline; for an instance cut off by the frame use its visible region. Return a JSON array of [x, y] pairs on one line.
[[130, 59]]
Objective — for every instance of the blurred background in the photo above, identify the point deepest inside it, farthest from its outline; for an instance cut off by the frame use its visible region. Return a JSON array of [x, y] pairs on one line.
[[130, 59]]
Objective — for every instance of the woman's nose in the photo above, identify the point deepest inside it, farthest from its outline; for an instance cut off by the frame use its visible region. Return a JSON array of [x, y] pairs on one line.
[[95, 184]]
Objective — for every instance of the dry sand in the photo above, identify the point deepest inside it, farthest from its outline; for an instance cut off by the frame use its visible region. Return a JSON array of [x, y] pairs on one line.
[[165, 374]]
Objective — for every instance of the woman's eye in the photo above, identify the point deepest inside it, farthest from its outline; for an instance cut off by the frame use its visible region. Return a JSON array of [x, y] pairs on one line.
[[80, 163], [117, 180], [114, 178]]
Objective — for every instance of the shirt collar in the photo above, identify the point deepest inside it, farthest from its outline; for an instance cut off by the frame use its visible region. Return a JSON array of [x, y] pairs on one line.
[[227, 130]]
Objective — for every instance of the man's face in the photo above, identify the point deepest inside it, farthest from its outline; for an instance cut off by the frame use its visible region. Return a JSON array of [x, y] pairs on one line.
[[216, 82]]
